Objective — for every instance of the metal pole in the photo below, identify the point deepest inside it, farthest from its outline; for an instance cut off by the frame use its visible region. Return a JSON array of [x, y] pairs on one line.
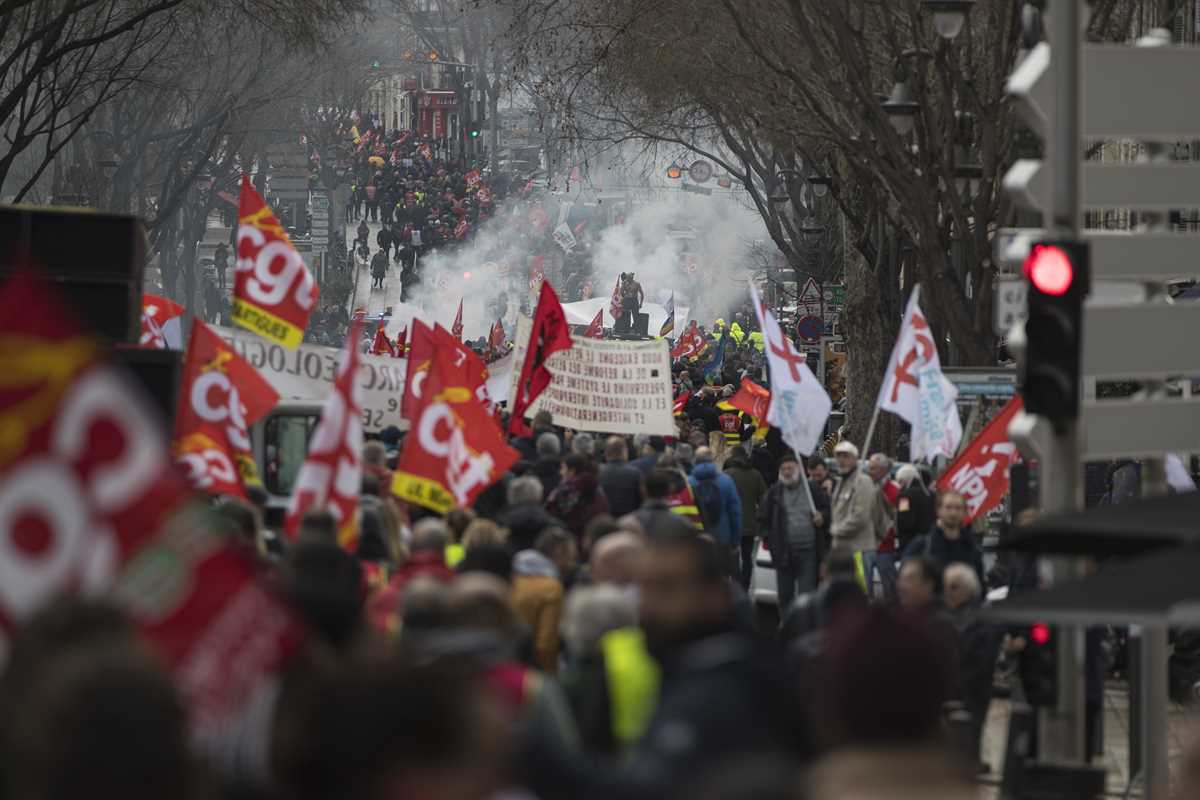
[[1155, 765], [866, 448], [1061, 728]]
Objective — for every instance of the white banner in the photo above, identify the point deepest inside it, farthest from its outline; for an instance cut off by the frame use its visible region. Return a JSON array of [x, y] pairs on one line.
[[604, 385], [564, 238], [307, 373]]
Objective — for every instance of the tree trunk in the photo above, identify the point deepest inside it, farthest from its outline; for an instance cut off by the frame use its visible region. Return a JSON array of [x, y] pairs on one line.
[[493, 98]]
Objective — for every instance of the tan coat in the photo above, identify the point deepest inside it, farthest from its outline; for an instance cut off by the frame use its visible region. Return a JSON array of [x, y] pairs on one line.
[[538, 601], [859, 522]]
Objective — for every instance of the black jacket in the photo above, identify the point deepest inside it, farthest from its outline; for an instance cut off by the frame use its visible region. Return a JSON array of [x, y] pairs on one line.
[[772, 521], [525, 522], [964, 550], [623, 486], [914, 514], [546, 470]]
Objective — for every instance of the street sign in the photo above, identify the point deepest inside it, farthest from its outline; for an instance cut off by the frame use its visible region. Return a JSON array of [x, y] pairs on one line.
[[810, 329], [1147, 340], [809, 301], [1137, 428], [1009, 304], [700, 171], [690, 187]]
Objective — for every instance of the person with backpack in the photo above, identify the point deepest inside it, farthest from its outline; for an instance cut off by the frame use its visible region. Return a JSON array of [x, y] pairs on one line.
[[720, 508]]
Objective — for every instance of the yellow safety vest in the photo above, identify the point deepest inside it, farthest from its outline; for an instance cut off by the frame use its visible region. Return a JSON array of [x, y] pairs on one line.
[[453, 554], [756, 339], [632, 678]]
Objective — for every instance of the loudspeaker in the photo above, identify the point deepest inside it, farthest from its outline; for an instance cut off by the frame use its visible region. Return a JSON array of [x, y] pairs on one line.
[[94, 260], [641, 324], [156, 372]]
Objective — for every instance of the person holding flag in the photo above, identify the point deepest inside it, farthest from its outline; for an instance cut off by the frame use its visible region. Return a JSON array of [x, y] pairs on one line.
[[548, 334], [668, 326]]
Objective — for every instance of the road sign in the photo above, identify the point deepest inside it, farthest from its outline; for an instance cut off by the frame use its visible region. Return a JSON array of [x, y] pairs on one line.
[[809, 301], [694, 189], [700, 171], [1137, 428], [810, 329], [1147, 340], [1009, 306]]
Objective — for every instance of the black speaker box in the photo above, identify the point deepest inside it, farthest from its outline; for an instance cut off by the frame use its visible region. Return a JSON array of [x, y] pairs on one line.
[[94, 260], [156, 372], [641, 324]]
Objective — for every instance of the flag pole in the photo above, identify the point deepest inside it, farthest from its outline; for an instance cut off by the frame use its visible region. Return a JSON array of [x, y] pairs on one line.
[[866, 448]]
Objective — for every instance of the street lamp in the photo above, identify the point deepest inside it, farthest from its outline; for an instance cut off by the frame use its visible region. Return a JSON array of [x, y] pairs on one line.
[[674, 172], [967, 177], [781, 194], [810, 229], [949, 16], [901, 108], [820, 184]]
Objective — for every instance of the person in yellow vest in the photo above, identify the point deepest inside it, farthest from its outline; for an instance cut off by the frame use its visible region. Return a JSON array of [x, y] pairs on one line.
[[756, 339], [737, 333], [610, 679], [730, 421]]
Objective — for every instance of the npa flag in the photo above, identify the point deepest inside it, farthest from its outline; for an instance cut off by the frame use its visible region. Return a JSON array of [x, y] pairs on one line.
[[595, 328], [496, 337], [915, 389], [669, 323], [455, 449], [331, 476], [752, 398], [456, 329], [980, 473], [690, 344], [85, 476], [273, 292], [161, 323], [799, 405], [614, 307], [547, 336], [220, 397], [382, 345]]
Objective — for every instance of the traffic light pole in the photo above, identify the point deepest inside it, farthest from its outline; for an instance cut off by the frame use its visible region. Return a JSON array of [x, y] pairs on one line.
[[1061, 728]]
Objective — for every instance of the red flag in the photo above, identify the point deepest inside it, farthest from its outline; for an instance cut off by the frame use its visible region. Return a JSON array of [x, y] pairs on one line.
[[484, 195], [220, 397], [456, 330], [274, 292], [331, 477], [980, 472], [460, 230], [85, 477], [455, 449], [161, 323], [473, 178], [548, 335], [381, 344], [496, 339], [690, 344], [401, 344], [752, 398], [595, 328], [614, 307], [681, 402], [465, 364], [420, 354]]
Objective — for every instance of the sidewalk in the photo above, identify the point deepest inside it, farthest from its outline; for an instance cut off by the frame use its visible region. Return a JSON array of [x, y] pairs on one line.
[[1116, 740]]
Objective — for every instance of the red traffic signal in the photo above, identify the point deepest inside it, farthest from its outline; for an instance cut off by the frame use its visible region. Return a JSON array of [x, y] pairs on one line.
[[1039, 634], [1049, 269]]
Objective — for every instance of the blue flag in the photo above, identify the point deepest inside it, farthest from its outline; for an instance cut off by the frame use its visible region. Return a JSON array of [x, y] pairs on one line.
[[718, 360]]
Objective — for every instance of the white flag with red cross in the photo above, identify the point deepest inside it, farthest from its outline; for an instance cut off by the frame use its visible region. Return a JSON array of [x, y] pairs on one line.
[[800, 405]]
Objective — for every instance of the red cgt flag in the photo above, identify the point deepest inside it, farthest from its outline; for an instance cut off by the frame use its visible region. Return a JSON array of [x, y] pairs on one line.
[[752, 398], [331, 477], [595, 328], [680, 402], [980, 472], [274, 292], [496, 338], [463, 362], [382, 345], [455, 449], [690, 344], [456, 330], [161, 320], [85, 476], [221, 397], [548, 335]]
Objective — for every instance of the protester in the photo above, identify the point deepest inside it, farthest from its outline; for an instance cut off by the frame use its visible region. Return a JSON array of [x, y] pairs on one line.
[[914, 507], [978, 647], [794, 519], [579, 497], [537, 593], [720, 509], [548, 466], [949, 542], [620, 481], [750, 488], [858, 522], [525, 518]]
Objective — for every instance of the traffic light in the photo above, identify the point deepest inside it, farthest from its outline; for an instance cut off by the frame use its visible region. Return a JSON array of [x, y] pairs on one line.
[[1058, 276], [1039, 666]]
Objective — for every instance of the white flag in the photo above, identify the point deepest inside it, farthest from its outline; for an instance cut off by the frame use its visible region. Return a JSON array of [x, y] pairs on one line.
[[938, 428], [914, 352], [799, 404]]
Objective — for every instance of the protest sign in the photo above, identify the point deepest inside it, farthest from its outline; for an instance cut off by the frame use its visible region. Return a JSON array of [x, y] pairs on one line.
[[306, 374], [605, 385]]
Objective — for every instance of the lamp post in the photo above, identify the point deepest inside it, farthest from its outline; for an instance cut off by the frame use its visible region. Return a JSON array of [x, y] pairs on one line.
[[949, 16], [900, 107]]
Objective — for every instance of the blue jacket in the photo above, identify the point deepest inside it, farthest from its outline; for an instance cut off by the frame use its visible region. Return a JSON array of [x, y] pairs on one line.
[[728, 528]]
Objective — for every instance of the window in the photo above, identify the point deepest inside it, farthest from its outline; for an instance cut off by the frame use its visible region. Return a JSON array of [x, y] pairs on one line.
[[285, 440]]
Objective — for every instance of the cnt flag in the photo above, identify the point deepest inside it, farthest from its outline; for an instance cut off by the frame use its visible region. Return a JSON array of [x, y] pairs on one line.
[[456, 329], [273, 292], [548, 334], [915, 389], [799, 404], [85, 477], [980, 473], [455, 449], [161, 323], [668, 325], [595, 328], [331, 477], [221, 396]]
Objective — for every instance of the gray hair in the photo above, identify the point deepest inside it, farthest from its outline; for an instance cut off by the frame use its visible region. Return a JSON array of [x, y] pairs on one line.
[[882, 460], [591, 612], [907, 474], [374, 452], [704, 455], [967, 575], [640, 440], [583, 444], [430, 533], [526, 489], [548, 445], [684, 452]]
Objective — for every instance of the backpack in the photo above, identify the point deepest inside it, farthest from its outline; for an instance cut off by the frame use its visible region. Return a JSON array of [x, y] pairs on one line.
[[708, 501]]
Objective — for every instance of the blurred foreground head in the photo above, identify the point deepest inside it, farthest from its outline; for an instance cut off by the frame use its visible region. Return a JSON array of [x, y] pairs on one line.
[[86, 710], [683, 593]]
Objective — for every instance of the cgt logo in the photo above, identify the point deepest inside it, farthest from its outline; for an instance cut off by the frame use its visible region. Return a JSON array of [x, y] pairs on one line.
[[440, 433], [215, 400], [267, 284]]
